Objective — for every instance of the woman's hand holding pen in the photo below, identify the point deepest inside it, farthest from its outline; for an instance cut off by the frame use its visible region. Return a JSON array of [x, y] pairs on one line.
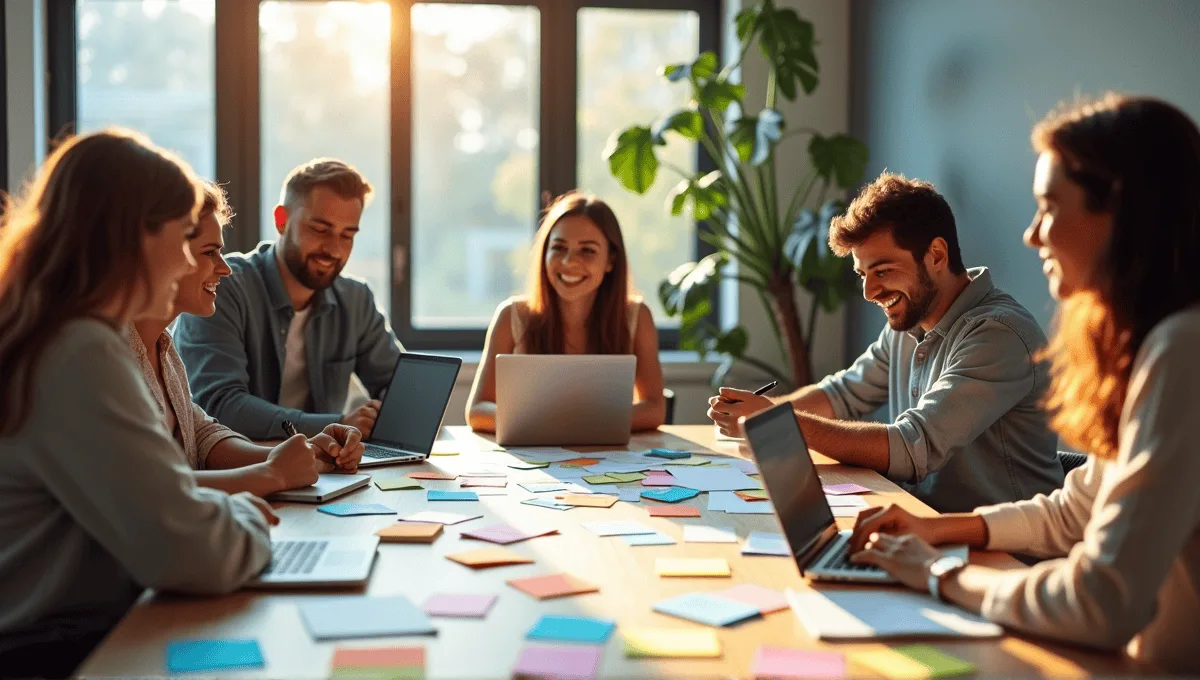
[[732, 404], [293, 463]]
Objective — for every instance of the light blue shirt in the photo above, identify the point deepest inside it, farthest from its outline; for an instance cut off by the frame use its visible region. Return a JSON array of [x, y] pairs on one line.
[[967, 428]]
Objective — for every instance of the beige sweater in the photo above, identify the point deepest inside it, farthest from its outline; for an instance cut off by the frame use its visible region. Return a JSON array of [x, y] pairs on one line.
[[1127, 531]]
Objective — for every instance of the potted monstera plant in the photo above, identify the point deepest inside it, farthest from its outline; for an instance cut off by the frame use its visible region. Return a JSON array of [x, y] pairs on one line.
[[774, 234]]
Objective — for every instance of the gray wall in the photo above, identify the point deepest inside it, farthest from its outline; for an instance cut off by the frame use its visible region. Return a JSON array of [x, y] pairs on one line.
[[947, 91]]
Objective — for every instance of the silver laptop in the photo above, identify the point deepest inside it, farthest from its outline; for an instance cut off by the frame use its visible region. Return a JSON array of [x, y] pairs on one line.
[[328, 487], [564, 399], [412, 409], [788, 473], [308, 562]]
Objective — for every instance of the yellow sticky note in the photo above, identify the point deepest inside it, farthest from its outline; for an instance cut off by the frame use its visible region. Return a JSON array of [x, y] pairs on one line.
[[396, 483], [446, 448], [890, 664], [691, 566], [671, 642]]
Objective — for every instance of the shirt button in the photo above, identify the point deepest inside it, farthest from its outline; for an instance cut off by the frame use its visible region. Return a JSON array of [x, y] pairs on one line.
[[920, 356], [914, 391]]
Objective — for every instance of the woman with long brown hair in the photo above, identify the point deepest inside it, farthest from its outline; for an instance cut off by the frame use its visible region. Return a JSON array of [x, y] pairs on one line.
[[578, 302], [96, 500], [1117, 185]]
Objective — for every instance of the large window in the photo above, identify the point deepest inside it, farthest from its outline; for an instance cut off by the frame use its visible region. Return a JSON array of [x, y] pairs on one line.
[[460, 114]]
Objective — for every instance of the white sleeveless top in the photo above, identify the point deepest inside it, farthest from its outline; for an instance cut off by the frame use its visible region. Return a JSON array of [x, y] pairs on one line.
[[520, 317]]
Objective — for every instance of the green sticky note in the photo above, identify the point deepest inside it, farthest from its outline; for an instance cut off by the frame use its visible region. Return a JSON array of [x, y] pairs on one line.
[[600, 479], [690, 461], [627, 476], [528, 466], [397, 483], [939, 663]]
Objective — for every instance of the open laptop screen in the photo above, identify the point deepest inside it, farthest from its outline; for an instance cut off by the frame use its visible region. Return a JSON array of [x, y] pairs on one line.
[[789, 475], [415, 402]]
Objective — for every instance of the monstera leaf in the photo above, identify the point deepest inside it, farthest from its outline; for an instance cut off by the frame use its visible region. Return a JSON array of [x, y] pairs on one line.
[[705, 194], [753, 137], [818, 269], [786, 41], [689, 123], [839, 158], [690, 283], [631, 158]]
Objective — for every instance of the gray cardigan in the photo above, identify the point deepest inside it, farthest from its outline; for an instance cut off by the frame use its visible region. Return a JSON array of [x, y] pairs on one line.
[[97, 502]]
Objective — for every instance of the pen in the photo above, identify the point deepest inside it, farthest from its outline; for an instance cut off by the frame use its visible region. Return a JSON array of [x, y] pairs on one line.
[[290, 430], [766, 388]]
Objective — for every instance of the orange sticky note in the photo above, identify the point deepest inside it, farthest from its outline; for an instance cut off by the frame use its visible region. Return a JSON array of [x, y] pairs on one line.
[[752, 495], [691, 566], [431, 475], [410, 532], [595, 500], [579, 462], [385, 657], [554, 585], [489, 557], [673, 511]]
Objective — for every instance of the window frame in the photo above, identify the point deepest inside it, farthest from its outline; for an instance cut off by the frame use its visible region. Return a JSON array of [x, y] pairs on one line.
[[238, 125]]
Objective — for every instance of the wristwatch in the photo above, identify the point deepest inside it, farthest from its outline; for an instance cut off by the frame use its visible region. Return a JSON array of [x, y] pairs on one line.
[[940, 569]]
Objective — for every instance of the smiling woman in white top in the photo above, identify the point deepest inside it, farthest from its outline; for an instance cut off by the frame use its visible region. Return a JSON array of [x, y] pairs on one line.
[[222, 458], [1117, 185]]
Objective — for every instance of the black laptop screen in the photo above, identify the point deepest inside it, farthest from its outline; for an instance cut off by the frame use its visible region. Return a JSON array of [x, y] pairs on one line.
[[789, 475], [415, 402]]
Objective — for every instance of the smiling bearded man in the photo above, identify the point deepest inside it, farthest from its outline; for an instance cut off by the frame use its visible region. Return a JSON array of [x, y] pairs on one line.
[[955, 365]]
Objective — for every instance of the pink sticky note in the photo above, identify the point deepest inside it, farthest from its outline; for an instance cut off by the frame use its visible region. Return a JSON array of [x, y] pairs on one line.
[[766, 599], [844, 489], [781, 662], [658, 479], [458, 605], [559, 663], [505, 534]]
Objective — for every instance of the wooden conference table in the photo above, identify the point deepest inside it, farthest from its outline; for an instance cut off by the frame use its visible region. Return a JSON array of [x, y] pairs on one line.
[[488, 648]]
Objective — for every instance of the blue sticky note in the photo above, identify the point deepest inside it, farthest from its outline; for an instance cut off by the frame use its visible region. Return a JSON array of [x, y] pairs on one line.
[[211, 655], [571, 629], [351, 509], [438, 495], [669, 454], [672, 494], [547, 503], [766, 543], [630, 495], [707, 609], [649, 539]]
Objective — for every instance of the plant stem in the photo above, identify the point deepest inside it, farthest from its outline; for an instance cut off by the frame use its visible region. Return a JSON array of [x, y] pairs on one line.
[[800, 197], [754, 226], [811, 331], [680, 171]]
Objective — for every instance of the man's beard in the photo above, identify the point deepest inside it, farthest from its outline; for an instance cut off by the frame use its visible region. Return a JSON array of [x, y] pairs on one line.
[[919, 301], [307, 278]]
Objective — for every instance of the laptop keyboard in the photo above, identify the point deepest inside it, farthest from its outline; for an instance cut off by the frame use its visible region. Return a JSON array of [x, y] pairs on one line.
[[839, 558], [295, 558], [373, 451]]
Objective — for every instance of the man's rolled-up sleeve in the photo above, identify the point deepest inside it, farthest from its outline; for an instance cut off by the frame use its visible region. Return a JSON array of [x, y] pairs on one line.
[[862, 388]]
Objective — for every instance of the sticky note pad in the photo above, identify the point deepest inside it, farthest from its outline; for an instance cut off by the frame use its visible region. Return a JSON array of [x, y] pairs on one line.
[[409, 532], [695, 533], [633, 495], [505, 534], [890, 664], [467, 482], [542, 487], [353, 509], [601, 479], [439, 495], [589, 500], [656, 479], [691, 566], [618, 528], [707, 609], [571, 629], [188, 656], [458, 605], [547, 503], [752, 495], [674, 511], [766, 600], [396, 483], [392, 663], [766, 543], [439, 517], [669, 454], [799, 664], [579, 462], [489, 557], [357, 616], [939, 663], [626, 476], [554, 585], [671, 495], [846, 488], [560, 663], [671, 642], [649, 539], [432, 475]]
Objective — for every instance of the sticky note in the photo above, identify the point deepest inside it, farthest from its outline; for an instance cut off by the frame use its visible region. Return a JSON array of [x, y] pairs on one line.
[[649, 539], [542, 487], [617, 528], [701, 534], [579, 462], [846, 488], [630, 495], [389, 663], [939, 663], [548, 503], [752, 494], [571, 629], [889, 664], [354, 509], [489, 557], [432, 475], [589, 500], [439, 517], [458, 605], [439, 495], [766, 543], [671, 495], [691, 462], [673, 511], [505, 534], [466, 482], [691, 566], [601, 479], [560, 663], [671, 642], [624, 477], [188, 656], [800, 664], [658, 479], [528, 466], [396, 483], [708, 609], [669, 454], [553, 585], [717, 479], [355, 616], [409, 532], [766, 600]]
